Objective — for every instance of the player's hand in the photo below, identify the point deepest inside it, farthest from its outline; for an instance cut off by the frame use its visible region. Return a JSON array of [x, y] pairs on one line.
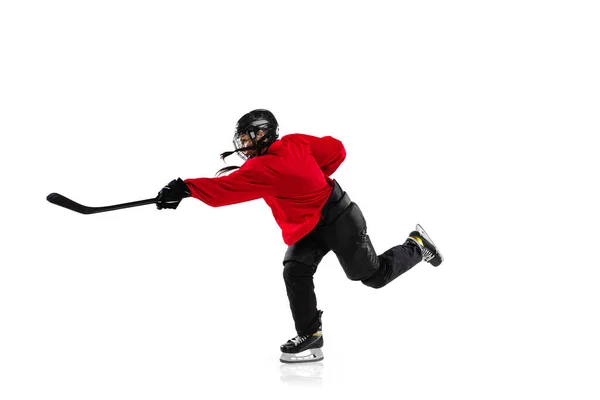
[[171, 195]]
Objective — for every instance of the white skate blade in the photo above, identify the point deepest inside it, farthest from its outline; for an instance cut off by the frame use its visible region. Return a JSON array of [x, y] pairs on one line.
[[426, 236], [310, 355]]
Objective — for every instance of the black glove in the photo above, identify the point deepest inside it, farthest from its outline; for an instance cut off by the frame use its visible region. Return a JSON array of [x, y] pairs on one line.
[[170, 196]]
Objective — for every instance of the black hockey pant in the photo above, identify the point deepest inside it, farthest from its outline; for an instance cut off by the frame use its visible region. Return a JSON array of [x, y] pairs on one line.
[[343, 230]]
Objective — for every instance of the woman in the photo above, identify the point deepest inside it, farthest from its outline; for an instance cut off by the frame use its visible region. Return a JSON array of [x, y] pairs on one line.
[[292, 175]]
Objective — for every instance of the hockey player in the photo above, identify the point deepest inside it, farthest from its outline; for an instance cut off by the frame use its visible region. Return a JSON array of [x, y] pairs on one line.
[[316, 215]]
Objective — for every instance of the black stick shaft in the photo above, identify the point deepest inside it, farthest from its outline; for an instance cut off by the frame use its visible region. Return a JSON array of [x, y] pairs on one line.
[[65, 202]]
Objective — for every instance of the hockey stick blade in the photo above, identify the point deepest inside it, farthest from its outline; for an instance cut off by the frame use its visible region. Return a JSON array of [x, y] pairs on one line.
[[62, 201]]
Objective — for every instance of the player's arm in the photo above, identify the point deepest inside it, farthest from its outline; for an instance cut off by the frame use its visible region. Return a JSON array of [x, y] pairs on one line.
[[252, 181]]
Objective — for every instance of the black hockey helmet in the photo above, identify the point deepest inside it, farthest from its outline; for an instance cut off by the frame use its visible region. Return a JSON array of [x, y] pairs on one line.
[[250, 124]]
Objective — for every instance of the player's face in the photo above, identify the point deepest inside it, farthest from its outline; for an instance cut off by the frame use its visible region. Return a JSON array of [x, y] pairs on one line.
[[245, 141]]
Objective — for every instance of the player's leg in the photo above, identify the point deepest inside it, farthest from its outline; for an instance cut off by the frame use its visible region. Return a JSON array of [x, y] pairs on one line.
[[348, 238], [300, 264]]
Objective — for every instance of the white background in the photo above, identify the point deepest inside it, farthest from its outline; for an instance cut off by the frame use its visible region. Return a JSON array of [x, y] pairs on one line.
[[476, 119]]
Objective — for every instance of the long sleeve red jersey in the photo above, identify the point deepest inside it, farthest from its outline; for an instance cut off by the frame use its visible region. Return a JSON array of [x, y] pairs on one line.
[[292, 177]]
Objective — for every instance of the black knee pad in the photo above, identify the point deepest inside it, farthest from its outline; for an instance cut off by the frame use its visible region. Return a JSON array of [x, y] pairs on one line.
[[294, 269], [376, 281]]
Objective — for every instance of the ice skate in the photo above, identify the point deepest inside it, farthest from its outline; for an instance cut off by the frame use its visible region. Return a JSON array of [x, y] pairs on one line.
[[430, 253], [306, 348]]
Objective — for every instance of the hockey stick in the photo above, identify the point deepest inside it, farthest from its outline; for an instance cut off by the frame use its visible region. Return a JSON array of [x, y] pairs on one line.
[[62, 201]]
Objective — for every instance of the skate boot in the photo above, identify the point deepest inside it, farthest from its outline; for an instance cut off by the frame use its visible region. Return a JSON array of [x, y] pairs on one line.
[[430, 253], [306, 348]]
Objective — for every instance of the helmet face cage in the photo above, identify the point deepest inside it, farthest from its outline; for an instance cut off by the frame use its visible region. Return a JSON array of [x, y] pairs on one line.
[[250, 124]]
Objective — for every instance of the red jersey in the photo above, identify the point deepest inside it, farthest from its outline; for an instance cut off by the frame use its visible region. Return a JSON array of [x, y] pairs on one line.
[[292, 177]]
